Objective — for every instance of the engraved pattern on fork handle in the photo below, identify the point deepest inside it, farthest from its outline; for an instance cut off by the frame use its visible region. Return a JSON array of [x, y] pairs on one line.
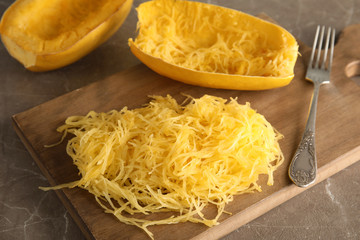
[[302, 170]]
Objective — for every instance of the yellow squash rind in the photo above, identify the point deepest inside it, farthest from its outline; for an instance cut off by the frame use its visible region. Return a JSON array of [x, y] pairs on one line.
[[207, 79]]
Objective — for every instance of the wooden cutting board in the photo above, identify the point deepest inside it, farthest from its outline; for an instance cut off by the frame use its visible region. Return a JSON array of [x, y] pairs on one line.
[[337, 137]]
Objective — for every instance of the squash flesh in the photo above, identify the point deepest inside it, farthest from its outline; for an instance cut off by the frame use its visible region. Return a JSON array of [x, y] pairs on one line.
[[170, 157], [210, 39]]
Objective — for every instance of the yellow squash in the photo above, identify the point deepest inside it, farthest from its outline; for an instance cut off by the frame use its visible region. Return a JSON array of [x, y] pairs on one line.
[[212, 46], [48, 34]]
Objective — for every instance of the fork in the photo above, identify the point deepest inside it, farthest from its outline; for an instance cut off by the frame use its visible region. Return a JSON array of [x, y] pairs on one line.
[[303, 167]]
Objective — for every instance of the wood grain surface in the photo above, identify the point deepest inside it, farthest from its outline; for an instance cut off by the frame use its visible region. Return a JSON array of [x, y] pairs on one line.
[[337, 137]]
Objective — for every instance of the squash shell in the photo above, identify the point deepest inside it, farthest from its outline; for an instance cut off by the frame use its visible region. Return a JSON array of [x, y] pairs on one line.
[[214, 79]]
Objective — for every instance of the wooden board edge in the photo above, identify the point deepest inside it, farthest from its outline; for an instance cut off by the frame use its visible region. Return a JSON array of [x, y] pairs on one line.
[[79, 90], [278, 198], [61, 195]]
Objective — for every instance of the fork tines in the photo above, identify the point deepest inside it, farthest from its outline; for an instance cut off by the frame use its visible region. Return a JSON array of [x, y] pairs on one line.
[[330, 40]]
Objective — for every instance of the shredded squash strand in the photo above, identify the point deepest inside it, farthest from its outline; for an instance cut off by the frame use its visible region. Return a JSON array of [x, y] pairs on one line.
[[172, 157]]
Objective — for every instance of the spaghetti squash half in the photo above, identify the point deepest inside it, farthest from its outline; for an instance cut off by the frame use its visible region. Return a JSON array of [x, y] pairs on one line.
[[45, 35], [212, 46]]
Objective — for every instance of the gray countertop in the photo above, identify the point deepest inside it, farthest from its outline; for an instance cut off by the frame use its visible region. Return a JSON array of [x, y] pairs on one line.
[[329, 210]]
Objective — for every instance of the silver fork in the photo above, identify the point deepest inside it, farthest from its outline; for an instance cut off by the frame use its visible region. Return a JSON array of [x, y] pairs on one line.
[[302, 170]]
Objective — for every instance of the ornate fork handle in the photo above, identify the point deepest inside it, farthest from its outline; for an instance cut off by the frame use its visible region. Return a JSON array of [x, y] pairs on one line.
[[302, 170]]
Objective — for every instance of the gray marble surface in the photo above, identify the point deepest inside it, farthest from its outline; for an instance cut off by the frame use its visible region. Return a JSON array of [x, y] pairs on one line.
[[329, 210]]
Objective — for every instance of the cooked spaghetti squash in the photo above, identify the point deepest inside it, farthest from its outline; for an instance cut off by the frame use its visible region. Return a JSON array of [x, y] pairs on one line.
[[172, 157], [45, 35], [212, 46]]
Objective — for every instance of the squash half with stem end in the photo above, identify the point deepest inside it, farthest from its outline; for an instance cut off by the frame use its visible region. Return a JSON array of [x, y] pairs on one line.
[[45, 35], [212, 46]]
